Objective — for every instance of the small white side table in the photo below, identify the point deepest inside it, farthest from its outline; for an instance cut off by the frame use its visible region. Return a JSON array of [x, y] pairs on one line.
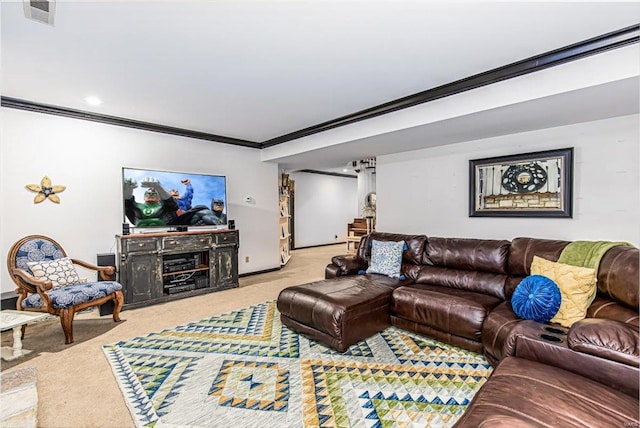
[[12, 319]]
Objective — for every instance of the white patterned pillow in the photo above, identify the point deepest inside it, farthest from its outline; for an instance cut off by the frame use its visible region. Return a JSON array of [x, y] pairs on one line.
[[60, 272], [386, 258]]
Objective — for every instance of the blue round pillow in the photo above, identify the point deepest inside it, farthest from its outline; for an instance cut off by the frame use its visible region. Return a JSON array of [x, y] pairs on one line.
[[536, 298]]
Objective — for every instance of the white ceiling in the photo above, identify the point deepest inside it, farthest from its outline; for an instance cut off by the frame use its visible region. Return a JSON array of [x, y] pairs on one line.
[[256, 70], [615, 99]]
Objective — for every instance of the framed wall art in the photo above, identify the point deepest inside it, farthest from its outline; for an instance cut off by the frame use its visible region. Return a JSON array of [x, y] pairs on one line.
[[537, 184]]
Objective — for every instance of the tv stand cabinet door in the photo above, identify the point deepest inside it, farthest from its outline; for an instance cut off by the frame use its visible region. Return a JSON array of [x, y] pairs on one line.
[[226, 259], [143, 278]]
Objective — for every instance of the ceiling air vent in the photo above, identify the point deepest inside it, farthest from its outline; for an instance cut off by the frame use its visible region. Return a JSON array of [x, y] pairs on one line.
[[40, 10]]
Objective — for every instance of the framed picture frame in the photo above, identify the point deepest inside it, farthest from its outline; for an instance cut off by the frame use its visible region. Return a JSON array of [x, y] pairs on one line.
[[537, 184]]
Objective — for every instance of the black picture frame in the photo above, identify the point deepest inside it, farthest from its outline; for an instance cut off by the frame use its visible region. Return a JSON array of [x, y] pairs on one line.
[[536, 184]]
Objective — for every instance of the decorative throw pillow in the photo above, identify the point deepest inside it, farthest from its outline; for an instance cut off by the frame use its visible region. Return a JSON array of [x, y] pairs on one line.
[[536, 298], [577, 287], [60, 272], [386, 258]]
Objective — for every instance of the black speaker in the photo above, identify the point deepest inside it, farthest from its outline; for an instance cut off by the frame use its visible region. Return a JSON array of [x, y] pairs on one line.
[[107, 259], [125, 229], [232, 224]]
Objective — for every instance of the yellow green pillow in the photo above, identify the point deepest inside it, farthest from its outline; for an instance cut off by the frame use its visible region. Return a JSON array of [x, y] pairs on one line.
[[577, 288]]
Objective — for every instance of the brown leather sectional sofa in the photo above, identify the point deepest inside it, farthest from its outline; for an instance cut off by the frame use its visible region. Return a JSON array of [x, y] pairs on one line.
[[458, 291]]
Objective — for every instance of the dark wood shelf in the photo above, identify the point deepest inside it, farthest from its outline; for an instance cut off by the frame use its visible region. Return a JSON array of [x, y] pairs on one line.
[[178, 272]]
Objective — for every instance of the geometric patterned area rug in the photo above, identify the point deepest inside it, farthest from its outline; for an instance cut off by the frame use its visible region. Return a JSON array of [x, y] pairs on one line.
[[245, 368]]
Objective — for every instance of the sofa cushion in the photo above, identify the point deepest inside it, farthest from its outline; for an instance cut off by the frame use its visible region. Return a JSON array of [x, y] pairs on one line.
[[543, 395], [618, 275], [458, 312], [415, 245], [483, 255], [609, 309], [475, 281], [577, 286], [386, 257], [536, 298], [522, 250], [506, 421]]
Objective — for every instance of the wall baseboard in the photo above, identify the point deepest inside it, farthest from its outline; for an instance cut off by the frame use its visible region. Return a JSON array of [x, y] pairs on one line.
[[321, 245], [258, 272]]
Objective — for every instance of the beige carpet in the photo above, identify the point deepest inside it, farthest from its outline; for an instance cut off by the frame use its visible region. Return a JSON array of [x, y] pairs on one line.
[[76, 388]]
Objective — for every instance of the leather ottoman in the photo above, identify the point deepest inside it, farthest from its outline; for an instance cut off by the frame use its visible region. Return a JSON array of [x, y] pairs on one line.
[[337, 312]]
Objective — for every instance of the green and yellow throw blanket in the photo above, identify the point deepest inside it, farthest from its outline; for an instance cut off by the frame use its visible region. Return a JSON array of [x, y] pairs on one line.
[[587, 253]]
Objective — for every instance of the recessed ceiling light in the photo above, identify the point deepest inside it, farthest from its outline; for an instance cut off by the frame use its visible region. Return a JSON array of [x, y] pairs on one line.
[[93, 101], [345, 170]]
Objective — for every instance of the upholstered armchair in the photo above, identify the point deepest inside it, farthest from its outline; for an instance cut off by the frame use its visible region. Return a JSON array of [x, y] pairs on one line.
[[48, 282]]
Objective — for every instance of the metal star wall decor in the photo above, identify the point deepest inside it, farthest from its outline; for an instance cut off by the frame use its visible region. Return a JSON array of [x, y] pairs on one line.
[[46, 191]]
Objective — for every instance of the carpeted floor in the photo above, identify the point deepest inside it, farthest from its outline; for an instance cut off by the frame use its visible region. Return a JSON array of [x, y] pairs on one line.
[[75, 383], [76, 387], [245, 365]]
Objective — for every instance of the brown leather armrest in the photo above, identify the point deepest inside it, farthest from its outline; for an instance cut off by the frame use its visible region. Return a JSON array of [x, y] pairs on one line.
[[606, 338], [349, 265], [616, 375], [331, 271]]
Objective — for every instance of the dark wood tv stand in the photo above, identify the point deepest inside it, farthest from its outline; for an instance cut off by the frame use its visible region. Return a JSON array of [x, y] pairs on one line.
[[158, 267]]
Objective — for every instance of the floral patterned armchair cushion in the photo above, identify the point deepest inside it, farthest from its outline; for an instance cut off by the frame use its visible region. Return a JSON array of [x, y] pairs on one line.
[[37, 250], [72, 295]]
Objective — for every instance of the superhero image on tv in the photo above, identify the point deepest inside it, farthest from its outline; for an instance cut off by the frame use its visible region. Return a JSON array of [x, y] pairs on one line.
[[156, 198]]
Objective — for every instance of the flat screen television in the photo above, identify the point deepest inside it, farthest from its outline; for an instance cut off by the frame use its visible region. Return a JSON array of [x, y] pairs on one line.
[[165, 199]]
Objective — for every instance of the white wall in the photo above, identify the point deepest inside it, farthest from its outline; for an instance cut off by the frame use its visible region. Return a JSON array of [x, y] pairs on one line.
[[324, 204], [88, 157], [426, 191]]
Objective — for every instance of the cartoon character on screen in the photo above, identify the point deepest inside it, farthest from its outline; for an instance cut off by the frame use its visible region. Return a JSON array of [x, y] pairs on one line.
[[184, 200], [159, 207], [200, 215], [217, 206]]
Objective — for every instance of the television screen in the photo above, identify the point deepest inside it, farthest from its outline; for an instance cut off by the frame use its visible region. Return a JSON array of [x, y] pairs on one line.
[[166, 199]]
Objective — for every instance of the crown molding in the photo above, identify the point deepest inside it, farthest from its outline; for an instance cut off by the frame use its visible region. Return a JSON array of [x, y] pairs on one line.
[[613, 40], [333, 174], [576, 51], [119, 121]]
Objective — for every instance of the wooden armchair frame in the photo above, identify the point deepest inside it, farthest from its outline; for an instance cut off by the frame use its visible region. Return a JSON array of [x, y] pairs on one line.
[[28, 284]]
